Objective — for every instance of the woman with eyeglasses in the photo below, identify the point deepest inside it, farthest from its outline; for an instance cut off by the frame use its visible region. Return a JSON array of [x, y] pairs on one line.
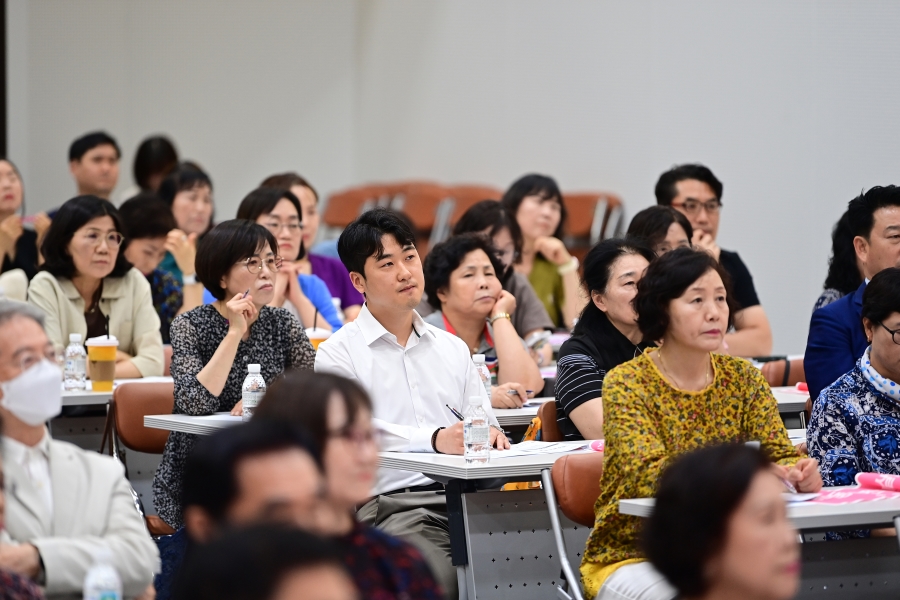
[[337, 413], [86, 286], [212, 345], [304, 295]]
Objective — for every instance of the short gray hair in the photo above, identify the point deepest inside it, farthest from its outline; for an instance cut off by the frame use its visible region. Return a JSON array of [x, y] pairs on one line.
[[10, 309]]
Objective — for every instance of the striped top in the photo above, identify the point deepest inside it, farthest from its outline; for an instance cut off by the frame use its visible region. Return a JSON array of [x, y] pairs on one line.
[[578, 380]]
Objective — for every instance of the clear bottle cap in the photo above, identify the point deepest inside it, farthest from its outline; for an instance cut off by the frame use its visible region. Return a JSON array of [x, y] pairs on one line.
[[74, 338], [253, 368], [476, 400], [478, 359]]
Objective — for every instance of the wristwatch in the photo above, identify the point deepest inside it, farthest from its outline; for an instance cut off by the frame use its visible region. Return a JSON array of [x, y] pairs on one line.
[[569, 267], [503, 315], [189, 279]]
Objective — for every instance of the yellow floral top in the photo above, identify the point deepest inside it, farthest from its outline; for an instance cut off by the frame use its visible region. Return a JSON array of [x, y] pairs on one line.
[[648, 422]]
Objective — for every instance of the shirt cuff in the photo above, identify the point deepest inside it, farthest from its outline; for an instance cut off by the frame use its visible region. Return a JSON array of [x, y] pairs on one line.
[[420, 440]]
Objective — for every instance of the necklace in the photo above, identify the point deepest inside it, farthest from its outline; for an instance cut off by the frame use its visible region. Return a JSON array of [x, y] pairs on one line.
[[672, 377]]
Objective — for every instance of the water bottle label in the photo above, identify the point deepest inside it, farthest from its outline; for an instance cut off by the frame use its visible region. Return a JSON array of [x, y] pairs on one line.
[[477, 435], [251, 399]]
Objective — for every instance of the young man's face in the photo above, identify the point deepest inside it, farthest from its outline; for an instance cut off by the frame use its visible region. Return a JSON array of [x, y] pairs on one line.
[[97, 172], [393, 281]]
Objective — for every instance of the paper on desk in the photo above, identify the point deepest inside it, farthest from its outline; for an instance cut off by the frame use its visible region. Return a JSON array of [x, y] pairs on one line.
[[224, 417], [800, 497], [532, 447]]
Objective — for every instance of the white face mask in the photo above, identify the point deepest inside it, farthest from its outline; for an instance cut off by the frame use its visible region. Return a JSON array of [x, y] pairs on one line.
[[35, 396]]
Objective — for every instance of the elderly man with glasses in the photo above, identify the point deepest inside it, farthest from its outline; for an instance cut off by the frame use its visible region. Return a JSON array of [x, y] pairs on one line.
[[64, 505], [694, 191]]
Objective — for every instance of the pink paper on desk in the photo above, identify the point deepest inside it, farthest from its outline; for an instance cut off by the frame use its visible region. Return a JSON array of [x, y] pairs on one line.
[[853, 495], [878, 481]]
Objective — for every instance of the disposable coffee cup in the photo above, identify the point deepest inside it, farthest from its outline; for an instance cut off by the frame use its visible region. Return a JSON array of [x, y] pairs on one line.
[[101, 353], [317, 335]]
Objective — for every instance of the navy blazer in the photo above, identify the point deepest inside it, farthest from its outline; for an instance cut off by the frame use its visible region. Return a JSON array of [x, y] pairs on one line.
[[836, 341]]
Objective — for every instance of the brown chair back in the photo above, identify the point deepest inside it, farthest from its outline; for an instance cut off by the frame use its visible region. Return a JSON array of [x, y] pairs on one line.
[[784, 372], [576, 479], [130, 403], [549, 427]]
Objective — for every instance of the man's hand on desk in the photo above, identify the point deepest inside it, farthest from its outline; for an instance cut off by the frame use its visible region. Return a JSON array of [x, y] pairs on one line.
[[498, 439], [450, 439]]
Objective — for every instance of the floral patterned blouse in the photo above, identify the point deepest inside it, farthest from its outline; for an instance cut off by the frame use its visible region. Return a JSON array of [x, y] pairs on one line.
[[648, 423], [167, 299]]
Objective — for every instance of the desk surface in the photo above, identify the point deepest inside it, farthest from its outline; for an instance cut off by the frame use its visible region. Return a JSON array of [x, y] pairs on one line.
[[89, 397], [807, 515], [790, 399]]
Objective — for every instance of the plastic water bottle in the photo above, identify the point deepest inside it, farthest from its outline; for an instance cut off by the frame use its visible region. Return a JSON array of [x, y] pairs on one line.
[[102, 582], [252, 391], [483, 372], [75, 363], [476, 432]]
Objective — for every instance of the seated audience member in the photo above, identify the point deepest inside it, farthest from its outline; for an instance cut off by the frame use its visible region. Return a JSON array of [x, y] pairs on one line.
[[266, 562], [329, 269], [836, 336], [719, 528], [412, 371], [490, 218], [855, 422], [94, 164], [844, 268], [18, 246], [305, 296], [462, 284], [607, 335], [188, 191], [698, 398], [662, 228], [148, 222], [694, 191], [537, 205], [66, 503], [86, 286], [155, 158], [213, 344], [338, 413]]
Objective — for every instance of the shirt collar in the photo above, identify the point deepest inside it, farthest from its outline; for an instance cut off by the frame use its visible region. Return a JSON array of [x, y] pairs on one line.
[[372, 329], [15, 450], [487, 340], [113, 287], [876, 380]]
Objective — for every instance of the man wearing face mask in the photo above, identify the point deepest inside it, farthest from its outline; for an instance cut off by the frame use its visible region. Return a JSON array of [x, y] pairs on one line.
[[63, 504]]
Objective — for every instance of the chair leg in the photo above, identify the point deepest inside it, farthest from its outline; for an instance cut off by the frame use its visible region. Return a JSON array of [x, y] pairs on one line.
[[574, 582]]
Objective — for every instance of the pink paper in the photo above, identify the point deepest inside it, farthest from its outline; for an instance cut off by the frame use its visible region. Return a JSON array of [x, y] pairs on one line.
[[853, 495], [878, 481], [597, 446]]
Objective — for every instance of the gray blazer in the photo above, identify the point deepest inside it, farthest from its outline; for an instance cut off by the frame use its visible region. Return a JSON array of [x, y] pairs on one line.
[[92, 507]]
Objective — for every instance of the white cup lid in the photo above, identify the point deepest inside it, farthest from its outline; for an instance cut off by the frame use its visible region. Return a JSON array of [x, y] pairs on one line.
[[102, 341]]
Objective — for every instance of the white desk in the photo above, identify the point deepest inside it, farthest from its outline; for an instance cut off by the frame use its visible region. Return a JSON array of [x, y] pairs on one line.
[[509, 417], [204, 425], [88, 397], [789, 399]]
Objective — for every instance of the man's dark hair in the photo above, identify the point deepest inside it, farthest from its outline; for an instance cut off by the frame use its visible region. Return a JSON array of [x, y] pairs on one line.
[[251, 563], [186, 176], [362, 238], [281, 401], [490, 215], [155, 156], [697, 496], [597, 270], [861, 210], [843, 271], [226, 244], [881, 297], [146, 216], [652, 224], [89, 141], [666, 279], [72, 216], [286, 181], [444, 258], [665, 187], [210, 478], [535, 185], [263, 200]]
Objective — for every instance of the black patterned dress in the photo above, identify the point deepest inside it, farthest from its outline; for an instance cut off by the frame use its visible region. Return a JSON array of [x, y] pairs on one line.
[[277, 342]]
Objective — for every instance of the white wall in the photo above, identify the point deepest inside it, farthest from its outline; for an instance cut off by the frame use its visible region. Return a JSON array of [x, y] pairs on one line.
[[791, 104]]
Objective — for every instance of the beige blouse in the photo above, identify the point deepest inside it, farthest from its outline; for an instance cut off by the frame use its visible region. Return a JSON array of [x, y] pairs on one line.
[[125, 300]]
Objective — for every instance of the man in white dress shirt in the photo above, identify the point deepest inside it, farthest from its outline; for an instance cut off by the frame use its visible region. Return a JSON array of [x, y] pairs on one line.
[[63, 504], [412, 371]]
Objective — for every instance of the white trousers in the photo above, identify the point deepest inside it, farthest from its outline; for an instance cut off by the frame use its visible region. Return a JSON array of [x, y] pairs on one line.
[[636, 581]]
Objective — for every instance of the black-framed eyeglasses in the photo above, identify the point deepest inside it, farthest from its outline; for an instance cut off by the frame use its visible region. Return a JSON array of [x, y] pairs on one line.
[[692, 207], [254, 264], [893, 333]]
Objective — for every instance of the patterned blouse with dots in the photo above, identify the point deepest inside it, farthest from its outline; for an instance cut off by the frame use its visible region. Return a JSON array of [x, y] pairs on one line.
[[648, 423], [277, 342]]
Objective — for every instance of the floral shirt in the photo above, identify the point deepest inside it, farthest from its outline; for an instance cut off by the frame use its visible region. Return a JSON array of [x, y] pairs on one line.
[[167, 299], [649, 422]]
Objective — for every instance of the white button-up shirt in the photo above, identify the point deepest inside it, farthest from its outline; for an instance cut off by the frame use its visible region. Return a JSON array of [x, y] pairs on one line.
[[410, 385], [35, 461]]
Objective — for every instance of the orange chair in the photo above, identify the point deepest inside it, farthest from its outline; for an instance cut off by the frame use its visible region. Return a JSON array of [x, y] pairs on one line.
[[130, 403], [572, 486], [467, 195], [549, 427], [420, 201], [344, 207], [784, 372], [592, 216]]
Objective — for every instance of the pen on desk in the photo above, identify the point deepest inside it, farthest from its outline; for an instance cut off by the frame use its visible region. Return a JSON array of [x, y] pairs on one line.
[[455, 412], [515, 393], [789, 486]]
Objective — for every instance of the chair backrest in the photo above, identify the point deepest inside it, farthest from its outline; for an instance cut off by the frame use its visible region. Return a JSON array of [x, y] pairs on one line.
[[784, 372], [576, 478], [549, 427], [133, 401], [343, 207]]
